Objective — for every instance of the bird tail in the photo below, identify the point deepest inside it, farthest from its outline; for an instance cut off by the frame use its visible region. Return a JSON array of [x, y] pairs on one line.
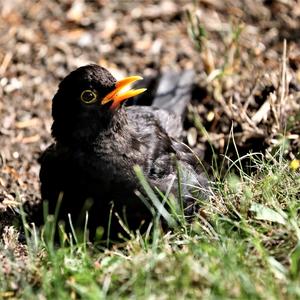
[[171, 91]]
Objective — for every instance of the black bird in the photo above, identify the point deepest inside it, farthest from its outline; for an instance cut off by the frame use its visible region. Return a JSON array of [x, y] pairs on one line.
[[98, 141]]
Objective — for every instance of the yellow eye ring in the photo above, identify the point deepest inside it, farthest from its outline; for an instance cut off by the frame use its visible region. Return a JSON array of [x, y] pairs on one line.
[[88, 96]]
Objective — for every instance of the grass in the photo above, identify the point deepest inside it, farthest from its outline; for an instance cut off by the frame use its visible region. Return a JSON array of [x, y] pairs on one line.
[[244, 244]]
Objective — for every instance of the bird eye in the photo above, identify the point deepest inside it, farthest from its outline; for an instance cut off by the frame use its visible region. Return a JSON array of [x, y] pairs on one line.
[[88, 96]]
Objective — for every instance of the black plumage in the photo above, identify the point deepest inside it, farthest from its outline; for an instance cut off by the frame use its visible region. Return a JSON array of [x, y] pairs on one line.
[[96, 148]]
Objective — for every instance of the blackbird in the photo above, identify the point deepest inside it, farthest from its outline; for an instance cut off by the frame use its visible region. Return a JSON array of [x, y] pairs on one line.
[[98, 141]]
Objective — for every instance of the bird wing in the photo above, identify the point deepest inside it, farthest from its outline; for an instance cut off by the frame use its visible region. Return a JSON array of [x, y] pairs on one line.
[[169, 95], [164, 150], [143, 116]]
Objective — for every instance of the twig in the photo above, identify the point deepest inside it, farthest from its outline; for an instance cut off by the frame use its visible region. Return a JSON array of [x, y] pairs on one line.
[[5, 62], [282, 84], [262, 112]]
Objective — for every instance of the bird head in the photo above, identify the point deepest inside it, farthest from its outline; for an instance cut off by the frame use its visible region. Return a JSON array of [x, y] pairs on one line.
[[86, 100]]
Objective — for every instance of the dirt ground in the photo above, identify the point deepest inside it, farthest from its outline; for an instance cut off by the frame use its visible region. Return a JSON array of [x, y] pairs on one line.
[[247, 79]]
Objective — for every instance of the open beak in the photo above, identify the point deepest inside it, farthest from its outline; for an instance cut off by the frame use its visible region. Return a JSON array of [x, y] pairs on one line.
[[117, 96]]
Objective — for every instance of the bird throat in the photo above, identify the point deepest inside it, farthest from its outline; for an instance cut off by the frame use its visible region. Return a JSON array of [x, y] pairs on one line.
[[84, 130]]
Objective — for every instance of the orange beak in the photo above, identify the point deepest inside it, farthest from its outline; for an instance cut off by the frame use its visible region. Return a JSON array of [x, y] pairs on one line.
[[118, 97]]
